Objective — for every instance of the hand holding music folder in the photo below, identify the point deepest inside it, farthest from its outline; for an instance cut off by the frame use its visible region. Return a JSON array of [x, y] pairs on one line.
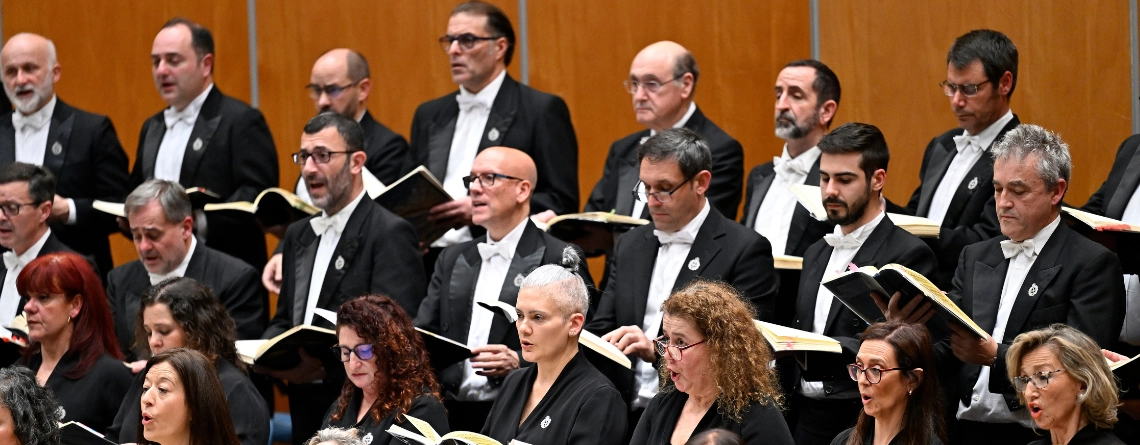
[[426, 435], [1117, 236], [594, 232], [412, 197], [444, 351], [272, 207], [280, 352]]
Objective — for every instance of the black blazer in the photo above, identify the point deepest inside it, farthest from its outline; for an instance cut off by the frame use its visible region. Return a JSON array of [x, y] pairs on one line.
[[522, 117], [236, 284], [89, 165], [381, 256], [972, 215], [386, 150], [1073, 281], [451, 294], [92, 399], [887, 244], [762, 423], [614, 190], [425, 407], [236, 159], [1113, 195], [1089, 435]]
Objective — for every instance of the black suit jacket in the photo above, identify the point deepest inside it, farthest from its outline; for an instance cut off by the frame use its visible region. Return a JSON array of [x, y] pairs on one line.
[[972, 215], [887, 244], [451, 294], [236, 160], [523, 118], [1073, 281], [236, 284], [1113, 195], [381, 256], [90, 165], [614, 190]]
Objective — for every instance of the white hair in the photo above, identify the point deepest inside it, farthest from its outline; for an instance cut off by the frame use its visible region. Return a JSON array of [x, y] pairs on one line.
[[566, 288]]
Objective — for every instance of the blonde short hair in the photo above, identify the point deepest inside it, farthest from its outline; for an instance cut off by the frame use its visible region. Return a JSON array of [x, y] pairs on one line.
[[1082, 360]]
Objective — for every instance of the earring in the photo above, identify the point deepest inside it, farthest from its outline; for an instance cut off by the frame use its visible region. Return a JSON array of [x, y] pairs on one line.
[[69, 319], [910, 392]]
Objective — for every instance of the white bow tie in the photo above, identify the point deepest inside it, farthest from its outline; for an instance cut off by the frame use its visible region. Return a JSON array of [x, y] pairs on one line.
[[963, 142], [11, 260], [468, 102], [322, 223], [842, 241], [1011, 248], [32, 122], [172, 117], [677, 237], [788, 167], [488, 251]]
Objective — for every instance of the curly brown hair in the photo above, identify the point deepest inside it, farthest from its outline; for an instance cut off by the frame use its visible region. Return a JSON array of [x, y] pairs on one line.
[[404, 370], [208, 327], [738, 354]]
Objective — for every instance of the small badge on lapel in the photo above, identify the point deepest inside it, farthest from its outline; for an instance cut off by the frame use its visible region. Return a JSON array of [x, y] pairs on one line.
[[339, 264], [643, 139], [1033, 290], [518, 280], [493, 135], [197, 144], [545, 422], [56, 148], [973, 183], [695, 264], [367, 439]]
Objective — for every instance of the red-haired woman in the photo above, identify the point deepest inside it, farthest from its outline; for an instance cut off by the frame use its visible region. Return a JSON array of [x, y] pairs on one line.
[[73, 349], [388, 372]]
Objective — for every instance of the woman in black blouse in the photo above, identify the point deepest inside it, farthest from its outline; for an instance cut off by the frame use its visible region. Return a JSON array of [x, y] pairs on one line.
[[715, 362], [73, 349]]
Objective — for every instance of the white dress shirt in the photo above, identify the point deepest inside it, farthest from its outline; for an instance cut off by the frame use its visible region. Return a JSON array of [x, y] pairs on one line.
[[168, 163], [329, 239], [179, 271], [639, 205], [774, 217], [492, 275], [670, 259], [986, 406], [970, 150], [469, 128], [9, 297], [32, 132], [839, 262]]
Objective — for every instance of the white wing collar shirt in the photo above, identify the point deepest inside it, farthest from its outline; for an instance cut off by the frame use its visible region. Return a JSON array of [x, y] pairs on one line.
[[329, 228], [179, 125], [9, 298], [179, 271], [32, 138], [970, 150], [774, 217]]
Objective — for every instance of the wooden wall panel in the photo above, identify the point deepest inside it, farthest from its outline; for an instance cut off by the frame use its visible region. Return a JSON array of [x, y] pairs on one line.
[[1074, 74], [104, 51]]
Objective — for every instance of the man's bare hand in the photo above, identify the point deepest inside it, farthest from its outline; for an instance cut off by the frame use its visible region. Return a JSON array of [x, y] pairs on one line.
[[271, 275], [969, 348], [543, 216], [309, 370], [630, 340], [1112, 356], [917, 311], [454, 214], [137, 366], [494, 360], [60, 211]]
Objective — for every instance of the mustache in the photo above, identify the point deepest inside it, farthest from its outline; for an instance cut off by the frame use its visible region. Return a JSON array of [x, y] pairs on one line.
[[786, 116], [834, 200]]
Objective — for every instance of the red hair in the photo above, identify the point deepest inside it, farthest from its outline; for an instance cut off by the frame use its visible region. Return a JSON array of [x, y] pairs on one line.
[[93, 332]]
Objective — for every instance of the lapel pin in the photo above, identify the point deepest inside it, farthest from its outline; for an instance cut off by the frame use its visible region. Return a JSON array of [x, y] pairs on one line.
[[493, 135], [56, 148], [1033, 290], [695, 264], [367, 439], [973, 183], [545, 422], [197, 144], [518, 280], [339, 263], [643, 139]]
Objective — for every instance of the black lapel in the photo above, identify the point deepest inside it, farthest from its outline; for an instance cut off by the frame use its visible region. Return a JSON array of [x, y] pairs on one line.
[[196, 268], [461, 289], [59, 137], [1041, 274], [350, 240], [305, 255], [502, 114], [199, 143], [643, 262], [982, 172], [440, 134], [705, 247], [7, 139], [759, 191], [939, 163], [629, 173], [989, 278], [865, 256], [801, 219], [813, 273], [528, 257], [1124, 189], [155, 130]]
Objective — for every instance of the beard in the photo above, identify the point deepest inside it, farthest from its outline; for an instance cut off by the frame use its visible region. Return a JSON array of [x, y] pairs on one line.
[[337, 189], [854, 211], [33, 103], [787, 127]]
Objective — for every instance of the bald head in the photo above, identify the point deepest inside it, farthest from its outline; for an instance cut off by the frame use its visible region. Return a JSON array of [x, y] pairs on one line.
[[502, 206], [665, 75], [340, 82], [513, 162], [30, 71]]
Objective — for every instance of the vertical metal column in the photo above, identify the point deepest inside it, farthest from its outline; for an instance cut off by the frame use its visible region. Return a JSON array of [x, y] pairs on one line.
[[1133, 13], [524, 56], [815, 28], [251, 12]]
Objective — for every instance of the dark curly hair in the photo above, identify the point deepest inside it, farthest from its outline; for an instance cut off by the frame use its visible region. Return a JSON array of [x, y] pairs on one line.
[[33, 407], [403, 368], [208, 326], [208, 412]]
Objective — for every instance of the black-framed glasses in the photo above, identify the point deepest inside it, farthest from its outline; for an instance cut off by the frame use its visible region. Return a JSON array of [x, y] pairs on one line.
[[968, 90], [652, 86], [363, 352], [661, 344], [466, 40], [320, 157], [11, 209], [486, 179], [332, 90], [874, 374], [1039, 379], [640, 194]]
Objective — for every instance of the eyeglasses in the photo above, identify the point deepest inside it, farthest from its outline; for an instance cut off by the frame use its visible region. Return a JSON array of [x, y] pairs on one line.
[[363, 352], [651, 86], [661, 344], [332, 90], [485, 179], [11, 209], [640, 194], [320, 157], [466, 40], [1040, 380], [968, 90], [874, 374]]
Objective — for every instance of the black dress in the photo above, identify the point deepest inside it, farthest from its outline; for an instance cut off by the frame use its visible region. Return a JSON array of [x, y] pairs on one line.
[[426, 408], [762, 423], [869, 438], [91, 399], [582, 407], [1089, 435], [248, 412]]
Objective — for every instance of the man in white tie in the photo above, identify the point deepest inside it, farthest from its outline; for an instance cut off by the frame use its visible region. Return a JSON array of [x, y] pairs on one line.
[[687, 239], [955, 178], [26, 194], [353, 247], [852, 172], [162, 229], [487, 268]]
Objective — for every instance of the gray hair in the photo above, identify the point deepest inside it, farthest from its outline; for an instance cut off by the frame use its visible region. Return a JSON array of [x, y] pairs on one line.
[[1053, 160], [686, 63], [679, 144], [336, 435], [170, 196], [567, 288], [34, 410]]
